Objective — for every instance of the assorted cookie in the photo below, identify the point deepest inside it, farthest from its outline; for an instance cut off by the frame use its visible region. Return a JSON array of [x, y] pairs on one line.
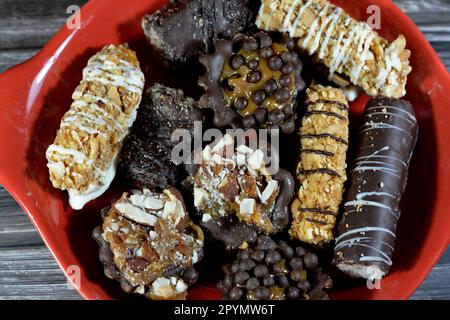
[[237, 193], [321, 171], [252, 81], [271, 270], [149, 244], [83, 157], [233, 187], [145, 160], [345, 46], [184, 29], [367, 231]]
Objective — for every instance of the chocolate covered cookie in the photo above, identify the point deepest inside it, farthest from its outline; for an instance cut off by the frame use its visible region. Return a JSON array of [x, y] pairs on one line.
[[367, 231], [145, 159], [183, 29], [149, 244], [237, 196], [252, 82]]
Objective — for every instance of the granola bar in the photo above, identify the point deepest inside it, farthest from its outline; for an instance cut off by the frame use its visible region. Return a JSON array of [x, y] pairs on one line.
[[149, 244], [321, 170], [341, 43], [82, 158]]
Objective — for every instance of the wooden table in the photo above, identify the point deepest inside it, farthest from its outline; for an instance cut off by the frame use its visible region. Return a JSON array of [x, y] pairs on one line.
[[27, 269]]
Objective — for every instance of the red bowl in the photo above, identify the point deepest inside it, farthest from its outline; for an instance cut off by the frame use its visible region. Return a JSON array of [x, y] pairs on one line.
[[35, 94]]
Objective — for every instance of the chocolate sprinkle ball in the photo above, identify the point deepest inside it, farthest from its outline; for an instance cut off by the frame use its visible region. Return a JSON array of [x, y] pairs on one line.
[[274, 270], [252, 82]]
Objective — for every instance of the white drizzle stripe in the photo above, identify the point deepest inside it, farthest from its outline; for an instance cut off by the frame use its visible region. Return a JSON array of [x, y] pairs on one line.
[[382, 169], [299, 18], [386, 259], [379, 125], [375, 259], [365, 229], [410, 115], [349, 242], [287, 18], [313, 28], [336, 15], [394, 115]]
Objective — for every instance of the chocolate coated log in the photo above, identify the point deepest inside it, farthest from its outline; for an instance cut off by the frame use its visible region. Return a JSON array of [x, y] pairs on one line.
[[367, 231]]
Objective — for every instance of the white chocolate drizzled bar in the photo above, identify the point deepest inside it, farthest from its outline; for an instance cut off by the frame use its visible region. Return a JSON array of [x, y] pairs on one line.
[[322, 167], [82, 158], [344, 45]]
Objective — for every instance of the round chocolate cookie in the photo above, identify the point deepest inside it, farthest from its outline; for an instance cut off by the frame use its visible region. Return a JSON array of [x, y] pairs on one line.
[[274, 270], [252, 82]]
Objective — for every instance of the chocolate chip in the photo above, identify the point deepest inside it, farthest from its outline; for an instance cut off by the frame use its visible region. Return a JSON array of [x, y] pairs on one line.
[[304, 285], [258, 255], [253, 64], [276, 116], [262, 293], [266, 243], [287, 68], [288, 110], [246, 264], [244, 254], [270, 86], [287, 127], [282, 280], [296, 275], [261, 115], [241, 277], [259, 97], [286, 56], [250, 44], [264, 39], [252, 284], [236, 293], [285, 80], [311, 260], [261, 271], [228, 281], [237, 61], [235, 266], [287, 251], [266, 52], [190, 276], [300, 252], [289, 43], [248, 121], [295, 61], [273, 257], [296, 263], [241, 103], [275, 63], [293, 293], [282, 95], [269, 281], [253, 76]]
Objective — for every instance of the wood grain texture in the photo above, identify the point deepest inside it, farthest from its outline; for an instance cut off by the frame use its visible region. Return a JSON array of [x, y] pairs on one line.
[[27, 269]]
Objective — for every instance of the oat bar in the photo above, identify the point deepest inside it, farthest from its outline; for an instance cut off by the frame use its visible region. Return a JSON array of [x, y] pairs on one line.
[[367, 232], [149, 244], [82, 159], [321, 170], [341, 43]]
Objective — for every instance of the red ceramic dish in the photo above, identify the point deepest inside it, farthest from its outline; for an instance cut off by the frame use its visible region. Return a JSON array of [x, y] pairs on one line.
[[35, 94]]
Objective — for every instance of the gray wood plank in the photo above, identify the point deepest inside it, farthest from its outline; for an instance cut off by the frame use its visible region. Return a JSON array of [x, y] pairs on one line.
[[27, 269]]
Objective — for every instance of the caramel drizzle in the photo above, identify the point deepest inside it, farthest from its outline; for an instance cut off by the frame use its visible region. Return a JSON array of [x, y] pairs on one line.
[[323, 135]]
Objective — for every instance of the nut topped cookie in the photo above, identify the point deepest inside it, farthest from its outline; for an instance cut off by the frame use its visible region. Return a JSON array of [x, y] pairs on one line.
[[149, 244], [234, 189], [253, 82]]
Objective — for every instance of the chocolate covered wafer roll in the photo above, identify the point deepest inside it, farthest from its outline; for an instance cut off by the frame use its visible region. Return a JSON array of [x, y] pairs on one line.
[[321, 170], [367, 231]]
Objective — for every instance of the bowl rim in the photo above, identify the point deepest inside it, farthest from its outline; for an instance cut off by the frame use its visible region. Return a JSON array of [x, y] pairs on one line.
[[32, 67]]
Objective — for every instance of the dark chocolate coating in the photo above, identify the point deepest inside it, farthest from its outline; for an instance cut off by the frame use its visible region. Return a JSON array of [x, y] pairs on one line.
[[145, 158], [366, 233], [184, 29]]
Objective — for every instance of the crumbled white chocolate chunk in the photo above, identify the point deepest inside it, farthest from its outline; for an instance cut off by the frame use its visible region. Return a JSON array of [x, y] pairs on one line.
[[206, 217], [135, 214], [255, 160], [162, 288], [247, 206], [181, 286], [269, 190], [200, 196]]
